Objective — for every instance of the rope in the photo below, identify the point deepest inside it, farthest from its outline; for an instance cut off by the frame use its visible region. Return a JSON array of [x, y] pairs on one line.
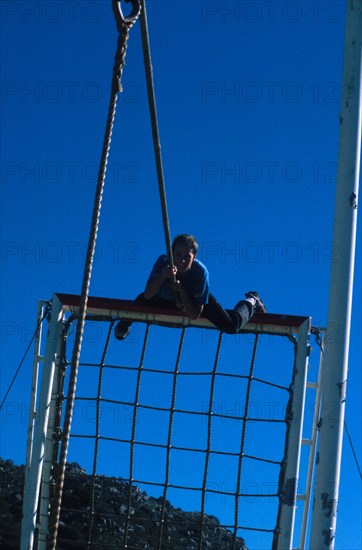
[[155, 131], [123, 26]]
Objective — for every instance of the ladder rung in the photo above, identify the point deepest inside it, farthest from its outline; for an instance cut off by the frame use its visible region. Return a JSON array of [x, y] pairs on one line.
[[307, 441], [312, 385]]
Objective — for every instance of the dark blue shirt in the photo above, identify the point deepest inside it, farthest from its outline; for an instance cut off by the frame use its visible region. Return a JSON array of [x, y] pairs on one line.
[[195, 281]]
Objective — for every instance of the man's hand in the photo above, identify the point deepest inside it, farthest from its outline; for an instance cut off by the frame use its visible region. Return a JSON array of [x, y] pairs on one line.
[[191, 309], [168, 272], [157, 281], [176, 285]]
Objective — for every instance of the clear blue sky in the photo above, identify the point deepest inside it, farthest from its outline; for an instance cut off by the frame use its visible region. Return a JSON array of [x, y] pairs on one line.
[[248, 98]]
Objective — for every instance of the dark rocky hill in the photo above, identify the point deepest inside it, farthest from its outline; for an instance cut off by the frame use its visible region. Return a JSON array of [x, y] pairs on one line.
[[113, 502]]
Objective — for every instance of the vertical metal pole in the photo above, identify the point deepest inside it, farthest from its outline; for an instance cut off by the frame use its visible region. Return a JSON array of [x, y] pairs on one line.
[[310, 471], [32, 484], [288, 506], [49, 447], [34, 385], [341, 285]]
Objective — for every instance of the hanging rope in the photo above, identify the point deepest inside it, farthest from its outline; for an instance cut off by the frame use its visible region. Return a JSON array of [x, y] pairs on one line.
[[124, 24], [155, 131]]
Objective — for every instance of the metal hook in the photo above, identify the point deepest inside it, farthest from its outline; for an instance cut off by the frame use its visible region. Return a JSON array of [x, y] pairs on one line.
[[129, 19]]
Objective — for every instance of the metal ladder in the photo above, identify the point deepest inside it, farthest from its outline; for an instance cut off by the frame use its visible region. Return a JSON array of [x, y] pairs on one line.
[[312, 444]]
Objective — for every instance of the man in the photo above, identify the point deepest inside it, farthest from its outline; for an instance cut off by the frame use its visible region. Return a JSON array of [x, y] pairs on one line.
[[187, 286]]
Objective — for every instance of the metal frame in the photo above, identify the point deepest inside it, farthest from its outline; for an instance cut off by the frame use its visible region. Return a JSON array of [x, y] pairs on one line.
[[40, 446], [49, 443], [290, 485], [312, 442], [38, 358], [110, 308], [333, 386]]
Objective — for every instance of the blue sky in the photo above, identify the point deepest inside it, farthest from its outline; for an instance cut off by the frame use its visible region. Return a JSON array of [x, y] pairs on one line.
[[248, 96]]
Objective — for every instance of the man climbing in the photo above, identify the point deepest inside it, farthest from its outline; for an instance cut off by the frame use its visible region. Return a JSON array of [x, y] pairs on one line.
[[187, 286]]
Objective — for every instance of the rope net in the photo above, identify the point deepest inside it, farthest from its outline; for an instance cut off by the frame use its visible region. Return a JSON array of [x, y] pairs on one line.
[[185, 419]]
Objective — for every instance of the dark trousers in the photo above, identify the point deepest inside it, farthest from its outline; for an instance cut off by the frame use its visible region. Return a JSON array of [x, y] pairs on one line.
[[227, 321]]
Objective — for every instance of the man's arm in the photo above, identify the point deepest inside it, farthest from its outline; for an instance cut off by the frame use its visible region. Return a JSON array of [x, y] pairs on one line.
[[154, 283]]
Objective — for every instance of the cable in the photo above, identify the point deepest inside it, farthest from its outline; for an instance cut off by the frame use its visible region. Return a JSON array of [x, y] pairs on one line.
[[45, 314], [353, 451], [316, 331]]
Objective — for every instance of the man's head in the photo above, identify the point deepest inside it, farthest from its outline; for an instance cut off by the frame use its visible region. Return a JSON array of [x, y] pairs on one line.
[[184, 248], [186, 240]]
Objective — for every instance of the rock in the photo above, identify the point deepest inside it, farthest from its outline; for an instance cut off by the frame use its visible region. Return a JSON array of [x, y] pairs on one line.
[[180, 530]]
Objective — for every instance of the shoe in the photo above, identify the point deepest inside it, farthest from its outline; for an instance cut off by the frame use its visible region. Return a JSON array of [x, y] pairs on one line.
[[258, 302], [122, 330]]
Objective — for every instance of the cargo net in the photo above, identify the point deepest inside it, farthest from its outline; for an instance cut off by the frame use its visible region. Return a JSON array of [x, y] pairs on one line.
[[178, 438]]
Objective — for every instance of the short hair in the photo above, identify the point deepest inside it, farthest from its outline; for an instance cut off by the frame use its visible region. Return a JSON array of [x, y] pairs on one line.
[[187, 240]]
